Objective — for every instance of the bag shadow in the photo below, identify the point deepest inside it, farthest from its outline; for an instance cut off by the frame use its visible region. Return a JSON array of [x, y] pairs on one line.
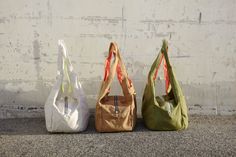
[[36, 126]]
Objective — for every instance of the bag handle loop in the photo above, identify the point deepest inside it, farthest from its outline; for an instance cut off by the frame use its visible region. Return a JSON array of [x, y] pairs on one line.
[[162, 57], [117, 67], [120, 67], [64, 66]]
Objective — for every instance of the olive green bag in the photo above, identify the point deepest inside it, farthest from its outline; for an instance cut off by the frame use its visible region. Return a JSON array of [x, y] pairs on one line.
[[168, 112]]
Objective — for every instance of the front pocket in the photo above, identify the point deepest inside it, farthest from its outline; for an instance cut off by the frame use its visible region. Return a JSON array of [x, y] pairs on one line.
[[115, 114]]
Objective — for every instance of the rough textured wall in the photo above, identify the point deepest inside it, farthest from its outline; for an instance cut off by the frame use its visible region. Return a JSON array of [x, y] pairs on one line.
[[202, 36]]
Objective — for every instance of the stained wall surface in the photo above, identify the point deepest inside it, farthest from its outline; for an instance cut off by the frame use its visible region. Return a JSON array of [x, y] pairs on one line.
[[202, 49]]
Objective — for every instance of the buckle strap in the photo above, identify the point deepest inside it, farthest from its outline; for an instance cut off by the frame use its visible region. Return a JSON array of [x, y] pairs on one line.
[[116, 104]]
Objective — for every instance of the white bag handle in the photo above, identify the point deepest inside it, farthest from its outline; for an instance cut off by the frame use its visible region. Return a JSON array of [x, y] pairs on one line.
[[64, 66], [63, 57]]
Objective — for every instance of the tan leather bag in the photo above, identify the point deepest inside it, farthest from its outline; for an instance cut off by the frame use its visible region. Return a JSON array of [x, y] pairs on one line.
[[115, 113]]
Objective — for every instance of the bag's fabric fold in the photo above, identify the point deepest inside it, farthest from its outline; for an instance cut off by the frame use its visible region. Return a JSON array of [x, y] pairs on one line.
[[115, 113], [66, 109], [167, 112]]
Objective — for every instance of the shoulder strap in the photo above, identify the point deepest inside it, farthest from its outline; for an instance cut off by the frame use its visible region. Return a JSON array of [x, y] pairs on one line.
[[156, 66], [64, 67], [177, 91], [116, 67]]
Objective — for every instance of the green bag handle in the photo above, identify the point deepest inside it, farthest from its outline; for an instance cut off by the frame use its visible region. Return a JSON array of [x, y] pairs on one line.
[[177, 91], [173, 82]]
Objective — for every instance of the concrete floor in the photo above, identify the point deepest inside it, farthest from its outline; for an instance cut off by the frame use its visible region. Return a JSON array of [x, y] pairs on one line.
[[206, 136]]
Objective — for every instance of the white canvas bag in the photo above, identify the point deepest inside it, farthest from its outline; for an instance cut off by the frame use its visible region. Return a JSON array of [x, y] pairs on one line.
[[66, 109]]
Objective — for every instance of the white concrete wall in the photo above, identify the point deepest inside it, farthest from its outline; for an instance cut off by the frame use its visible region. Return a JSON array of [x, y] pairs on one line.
[[202, 35]]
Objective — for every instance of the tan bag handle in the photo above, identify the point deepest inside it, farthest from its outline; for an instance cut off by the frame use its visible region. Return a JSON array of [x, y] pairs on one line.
[[116, 67]]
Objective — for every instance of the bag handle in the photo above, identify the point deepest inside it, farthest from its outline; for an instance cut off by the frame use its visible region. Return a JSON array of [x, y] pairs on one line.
[[174, 83], [162, 57], [112, 51], [175, 88], [64, 66], [117, 67], [120, 68]]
